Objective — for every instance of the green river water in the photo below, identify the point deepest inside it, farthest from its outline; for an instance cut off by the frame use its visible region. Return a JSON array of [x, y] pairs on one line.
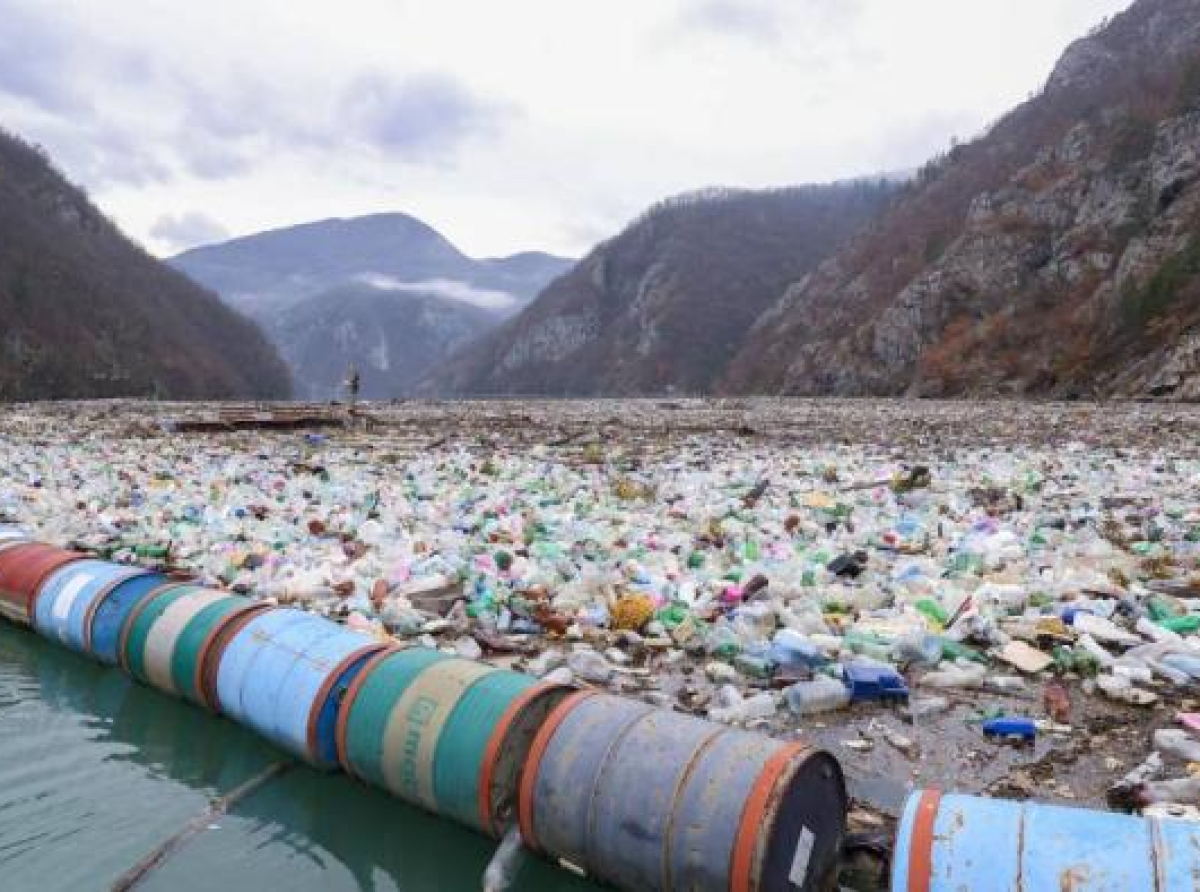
[[96, 771]]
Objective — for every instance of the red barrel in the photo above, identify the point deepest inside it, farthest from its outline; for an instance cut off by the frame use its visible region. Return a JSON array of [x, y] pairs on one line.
[[23, 569]]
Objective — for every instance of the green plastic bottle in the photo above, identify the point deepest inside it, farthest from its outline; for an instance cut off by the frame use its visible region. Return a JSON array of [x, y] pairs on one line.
[[1182, 625], [933, 611]]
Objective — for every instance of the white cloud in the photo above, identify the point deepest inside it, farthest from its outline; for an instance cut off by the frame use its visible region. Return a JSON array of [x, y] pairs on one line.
[[447, 289], [508, 126]]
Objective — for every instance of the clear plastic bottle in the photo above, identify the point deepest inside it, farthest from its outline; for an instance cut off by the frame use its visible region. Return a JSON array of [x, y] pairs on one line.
[[822, 694]]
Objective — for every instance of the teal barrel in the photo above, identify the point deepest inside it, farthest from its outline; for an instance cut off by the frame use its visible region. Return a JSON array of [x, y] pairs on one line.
[[448, 734], [65, 600], [648, 799], [949, 842], [284, 673], [139, 623]]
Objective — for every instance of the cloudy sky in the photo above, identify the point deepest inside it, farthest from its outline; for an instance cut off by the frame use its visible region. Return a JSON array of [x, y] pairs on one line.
[[508, 125]]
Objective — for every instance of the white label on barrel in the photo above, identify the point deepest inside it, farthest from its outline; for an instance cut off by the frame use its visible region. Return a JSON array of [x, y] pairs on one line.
[[800, 860], [66, 598]]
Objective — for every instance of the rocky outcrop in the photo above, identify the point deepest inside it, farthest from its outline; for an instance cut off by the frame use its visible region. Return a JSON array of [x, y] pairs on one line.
[[664, 305], [1055, 255], [86, 313]]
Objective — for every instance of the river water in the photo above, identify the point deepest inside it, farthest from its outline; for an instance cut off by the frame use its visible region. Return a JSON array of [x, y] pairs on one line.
[[96, 771]]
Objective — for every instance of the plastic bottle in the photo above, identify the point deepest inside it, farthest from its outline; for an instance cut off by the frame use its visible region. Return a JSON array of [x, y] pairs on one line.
[[822, 694], [970, 676], [1177, 743], [918, 649], [791, 650]]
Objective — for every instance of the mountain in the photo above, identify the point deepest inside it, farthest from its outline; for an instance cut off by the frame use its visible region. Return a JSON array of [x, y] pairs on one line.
[[362, 278], [1058, 254], [86, 313], [666, 303], [391, 337]]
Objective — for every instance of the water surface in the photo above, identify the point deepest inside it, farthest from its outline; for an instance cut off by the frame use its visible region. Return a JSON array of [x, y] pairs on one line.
[[96, 771]]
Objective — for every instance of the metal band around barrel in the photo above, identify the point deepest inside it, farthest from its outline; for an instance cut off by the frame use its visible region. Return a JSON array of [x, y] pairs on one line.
[[347, 705], [90, 614], [415, 726], [920, 842], [745, 846], [204, 679], [491, 753], [525, 805], [314, 714]]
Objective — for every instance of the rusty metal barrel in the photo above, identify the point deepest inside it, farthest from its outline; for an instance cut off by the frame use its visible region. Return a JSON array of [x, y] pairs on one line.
[[949, 842], [65, 599], [448, 734], [23, 569], [284, 674], [648, 799]]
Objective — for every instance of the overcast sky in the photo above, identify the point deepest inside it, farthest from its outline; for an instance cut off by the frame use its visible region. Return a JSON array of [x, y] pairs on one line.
[[507, 124]]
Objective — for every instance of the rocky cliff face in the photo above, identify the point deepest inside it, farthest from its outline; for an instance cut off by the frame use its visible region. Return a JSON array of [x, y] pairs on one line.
[[1059, 254], [392, 338], [86, 313], [665, 304]]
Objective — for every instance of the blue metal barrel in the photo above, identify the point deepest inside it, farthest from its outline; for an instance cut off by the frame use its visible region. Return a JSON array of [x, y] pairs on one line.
[[110, 610], [283, 674], [64, 601], [952, 842], [654, 800]]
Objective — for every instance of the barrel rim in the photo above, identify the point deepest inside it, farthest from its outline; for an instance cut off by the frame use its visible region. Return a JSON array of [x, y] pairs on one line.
[[748, 840], [533, 763], [244, 612], [920, 845], [89, 615], [318, 704], [132, 617], [491, 752], [347, 705]]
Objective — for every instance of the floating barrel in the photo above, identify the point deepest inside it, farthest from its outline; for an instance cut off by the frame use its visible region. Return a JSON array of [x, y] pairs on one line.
[[956, 842], [166, 633], [447, 734], [650, 799], [65, 599], [135, 632], [23, 569], [284, 673], [110, 611], [200, 632]]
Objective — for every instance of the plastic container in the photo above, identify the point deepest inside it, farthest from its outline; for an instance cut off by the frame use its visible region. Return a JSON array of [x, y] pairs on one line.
[[822, 694]]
